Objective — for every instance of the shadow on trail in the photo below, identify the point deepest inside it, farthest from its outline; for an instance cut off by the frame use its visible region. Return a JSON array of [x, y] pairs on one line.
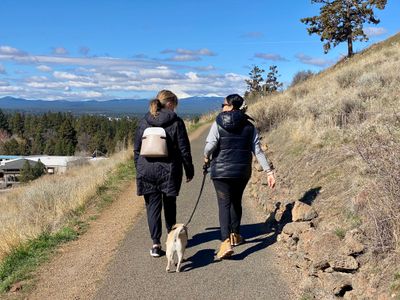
[[200, 259], [263, 234], [259, 236], [310, 195]]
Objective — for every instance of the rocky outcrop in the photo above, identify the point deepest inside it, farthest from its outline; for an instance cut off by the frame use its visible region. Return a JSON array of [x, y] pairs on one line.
[[329, 261], [303, 212]]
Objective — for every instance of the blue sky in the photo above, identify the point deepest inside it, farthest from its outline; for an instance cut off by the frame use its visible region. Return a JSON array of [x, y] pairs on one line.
[[98, 49]]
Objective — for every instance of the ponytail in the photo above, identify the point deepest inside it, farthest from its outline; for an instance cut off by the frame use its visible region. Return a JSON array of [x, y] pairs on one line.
[[154, 107]]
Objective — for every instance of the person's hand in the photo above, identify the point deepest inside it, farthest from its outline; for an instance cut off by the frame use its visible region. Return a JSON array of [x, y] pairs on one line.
[[189, 179], [206, 160], [271, 179]]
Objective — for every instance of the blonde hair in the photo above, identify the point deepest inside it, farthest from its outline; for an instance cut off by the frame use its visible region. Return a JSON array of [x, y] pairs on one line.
[[154, 107], [166, 96]]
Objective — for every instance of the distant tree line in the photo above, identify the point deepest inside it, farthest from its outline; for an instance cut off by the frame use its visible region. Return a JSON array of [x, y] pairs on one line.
[[63, 134]]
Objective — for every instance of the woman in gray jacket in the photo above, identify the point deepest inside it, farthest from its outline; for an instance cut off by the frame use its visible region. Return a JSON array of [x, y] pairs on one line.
[[230, 144]]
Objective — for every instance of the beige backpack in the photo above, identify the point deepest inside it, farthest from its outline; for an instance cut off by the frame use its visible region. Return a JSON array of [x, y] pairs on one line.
[[154, 142]]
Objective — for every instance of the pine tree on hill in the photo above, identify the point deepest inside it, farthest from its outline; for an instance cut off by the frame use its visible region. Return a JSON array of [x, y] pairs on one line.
[[271, 82], [343, 21], [255, 80]]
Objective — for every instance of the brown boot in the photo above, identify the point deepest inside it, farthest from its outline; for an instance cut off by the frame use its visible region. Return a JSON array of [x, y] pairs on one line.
[[236, 239], [225, 250]]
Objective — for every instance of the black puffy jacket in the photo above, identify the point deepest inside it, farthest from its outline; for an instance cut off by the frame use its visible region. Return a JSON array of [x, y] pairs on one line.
[[233, 156], [163, 174]]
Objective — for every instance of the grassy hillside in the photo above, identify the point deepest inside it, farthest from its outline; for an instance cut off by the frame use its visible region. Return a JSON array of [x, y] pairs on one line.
[[338, 134]]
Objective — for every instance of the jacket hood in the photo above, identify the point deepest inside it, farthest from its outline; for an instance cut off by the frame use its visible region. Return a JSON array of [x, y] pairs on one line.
[[232, 120], [165, 118]]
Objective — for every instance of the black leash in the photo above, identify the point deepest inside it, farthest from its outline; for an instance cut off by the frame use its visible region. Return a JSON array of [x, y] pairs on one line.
[[205, 171]]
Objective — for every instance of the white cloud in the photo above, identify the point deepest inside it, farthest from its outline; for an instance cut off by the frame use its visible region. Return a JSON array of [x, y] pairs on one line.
[[375, 31], [192, 76], [60, 51], [7, 50], [181, 54], [199, 52], [184, 57], [2, 69], [314, 61], [4, 83], [7, 89], [83, 95], [206, 68], [44, 68], [66, 75], [77, 78], [37, 78], [161, 72], [182, 94], [270, 56]]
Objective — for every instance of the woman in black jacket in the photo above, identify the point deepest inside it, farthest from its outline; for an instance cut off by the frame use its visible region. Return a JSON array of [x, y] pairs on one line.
[[230, 144], [159, 179]]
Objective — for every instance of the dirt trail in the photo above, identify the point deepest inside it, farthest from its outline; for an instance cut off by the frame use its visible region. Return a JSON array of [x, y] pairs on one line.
[[75, 272]]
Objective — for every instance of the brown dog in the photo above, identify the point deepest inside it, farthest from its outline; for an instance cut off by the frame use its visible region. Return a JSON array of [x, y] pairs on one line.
[[176, 243]]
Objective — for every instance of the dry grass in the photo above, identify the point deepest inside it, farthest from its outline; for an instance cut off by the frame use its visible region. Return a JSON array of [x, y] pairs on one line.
[[47, 203], [314, 129], [381, 153], [193, 124]]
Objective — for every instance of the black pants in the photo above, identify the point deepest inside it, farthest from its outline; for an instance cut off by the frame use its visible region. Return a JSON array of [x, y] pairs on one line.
[[229, 195], [154, 204]]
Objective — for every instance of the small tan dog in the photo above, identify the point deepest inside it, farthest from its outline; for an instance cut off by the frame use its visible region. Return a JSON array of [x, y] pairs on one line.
[[176, 243]]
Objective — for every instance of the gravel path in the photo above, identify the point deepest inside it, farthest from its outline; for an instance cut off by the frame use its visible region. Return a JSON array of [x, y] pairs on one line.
[[251, 273]]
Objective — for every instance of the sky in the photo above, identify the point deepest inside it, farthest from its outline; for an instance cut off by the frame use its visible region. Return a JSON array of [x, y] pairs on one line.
[[103, 49]]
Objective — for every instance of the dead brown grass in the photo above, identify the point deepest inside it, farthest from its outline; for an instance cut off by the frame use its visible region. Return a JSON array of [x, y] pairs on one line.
[[47, 203], [381, 152]]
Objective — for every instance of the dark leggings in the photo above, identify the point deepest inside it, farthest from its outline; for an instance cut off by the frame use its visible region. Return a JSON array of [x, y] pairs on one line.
[[229, 195], [154, 204]]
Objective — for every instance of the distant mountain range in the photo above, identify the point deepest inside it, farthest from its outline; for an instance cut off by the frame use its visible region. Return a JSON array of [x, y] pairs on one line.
[[116, 107]]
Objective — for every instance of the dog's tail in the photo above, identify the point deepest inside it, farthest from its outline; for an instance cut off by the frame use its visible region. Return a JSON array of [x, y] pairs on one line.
[[178, 231]]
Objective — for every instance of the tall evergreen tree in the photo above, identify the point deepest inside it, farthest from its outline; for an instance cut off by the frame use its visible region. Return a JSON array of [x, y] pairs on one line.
[[39, 169], [11, 147], [343, 21], [17, 124], [4, 122], [67, 140], [271, 82], [255, 80], [26, 172]]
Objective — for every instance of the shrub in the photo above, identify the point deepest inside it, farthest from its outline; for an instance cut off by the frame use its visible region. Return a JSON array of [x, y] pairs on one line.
[[300, 92], [301, 76], [347, 79], [274, 113], [29, 173], [351, 111]]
